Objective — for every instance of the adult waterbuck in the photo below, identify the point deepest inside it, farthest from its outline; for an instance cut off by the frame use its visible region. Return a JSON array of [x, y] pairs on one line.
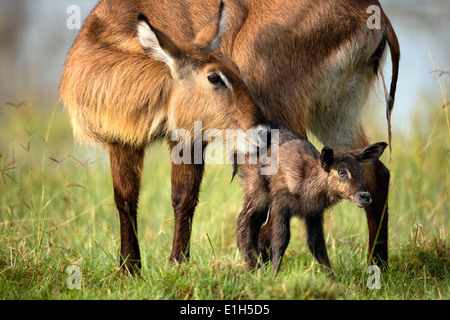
[[127, 83], [307, 64]]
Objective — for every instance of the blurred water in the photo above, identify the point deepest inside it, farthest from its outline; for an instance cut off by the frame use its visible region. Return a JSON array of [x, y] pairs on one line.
[[35, 40]]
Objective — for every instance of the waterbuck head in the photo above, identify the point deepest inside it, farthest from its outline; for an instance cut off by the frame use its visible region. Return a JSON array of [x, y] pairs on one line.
[[345, 172], [205, 86]]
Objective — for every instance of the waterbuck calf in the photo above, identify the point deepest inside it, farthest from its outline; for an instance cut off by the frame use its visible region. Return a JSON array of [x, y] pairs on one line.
[[306, 184]]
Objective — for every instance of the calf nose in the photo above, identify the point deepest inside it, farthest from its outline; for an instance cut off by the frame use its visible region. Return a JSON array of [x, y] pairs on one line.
[[365, 197]]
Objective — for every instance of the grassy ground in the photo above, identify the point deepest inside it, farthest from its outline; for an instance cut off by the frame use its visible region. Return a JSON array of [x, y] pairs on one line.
[[57, 210]]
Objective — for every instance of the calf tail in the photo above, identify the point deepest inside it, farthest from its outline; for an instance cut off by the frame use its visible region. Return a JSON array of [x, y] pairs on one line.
[[235, 170]]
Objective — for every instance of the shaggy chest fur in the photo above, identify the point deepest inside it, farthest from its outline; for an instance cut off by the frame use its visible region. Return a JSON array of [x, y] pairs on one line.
[[310, 196]]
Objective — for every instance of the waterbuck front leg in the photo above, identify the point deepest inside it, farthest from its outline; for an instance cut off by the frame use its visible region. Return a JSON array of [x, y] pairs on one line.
[[126, 169], [186, 179], [316, 241]]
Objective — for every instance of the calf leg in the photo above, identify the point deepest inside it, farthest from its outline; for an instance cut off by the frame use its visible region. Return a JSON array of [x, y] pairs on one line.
[[316, 241], [186, 180], [126, 169], [265, 235], [281, 234], [248, 225]]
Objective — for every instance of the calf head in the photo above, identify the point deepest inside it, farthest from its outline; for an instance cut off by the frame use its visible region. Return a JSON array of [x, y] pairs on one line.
[[345, 172]]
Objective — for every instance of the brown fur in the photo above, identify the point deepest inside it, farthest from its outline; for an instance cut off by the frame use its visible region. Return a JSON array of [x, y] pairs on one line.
[[306, 184], [308, 64], [126, 169], [115, 93]]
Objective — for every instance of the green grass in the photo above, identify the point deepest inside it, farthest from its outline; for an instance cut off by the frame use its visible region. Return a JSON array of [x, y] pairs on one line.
[[57, 210]]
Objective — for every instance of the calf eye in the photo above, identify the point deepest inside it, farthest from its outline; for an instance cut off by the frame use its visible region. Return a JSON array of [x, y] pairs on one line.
[[342, 173], [215, 79]]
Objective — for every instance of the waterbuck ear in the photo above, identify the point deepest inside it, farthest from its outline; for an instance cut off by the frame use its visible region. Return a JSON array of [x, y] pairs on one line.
[[155, 43], [326, 158], [211, 35], [371, 153]]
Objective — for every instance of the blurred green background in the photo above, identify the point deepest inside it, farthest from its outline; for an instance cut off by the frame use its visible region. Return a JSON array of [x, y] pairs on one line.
[[57, 208]]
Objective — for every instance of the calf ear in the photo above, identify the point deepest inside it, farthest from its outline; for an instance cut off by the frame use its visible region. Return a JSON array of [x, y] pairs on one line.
[[326, 158], [371, 153]]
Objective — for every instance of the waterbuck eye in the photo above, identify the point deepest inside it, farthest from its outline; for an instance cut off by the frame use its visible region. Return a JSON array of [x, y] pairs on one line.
[[215, 79], [342, 173]]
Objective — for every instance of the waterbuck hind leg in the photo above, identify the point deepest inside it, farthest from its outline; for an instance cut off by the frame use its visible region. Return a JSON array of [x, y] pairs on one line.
[[186, 180], [126, 169], [376, 177], [316, 241]]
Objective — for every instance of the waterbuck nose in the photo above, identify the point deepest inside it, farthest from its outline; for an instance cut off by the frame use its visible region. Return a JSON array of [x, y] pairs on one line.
[[365, 197]]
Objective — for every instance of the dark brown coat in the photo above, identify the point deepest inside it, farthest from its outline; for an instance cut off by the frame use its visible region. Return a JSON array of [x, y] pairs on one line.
[[306, 184]]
